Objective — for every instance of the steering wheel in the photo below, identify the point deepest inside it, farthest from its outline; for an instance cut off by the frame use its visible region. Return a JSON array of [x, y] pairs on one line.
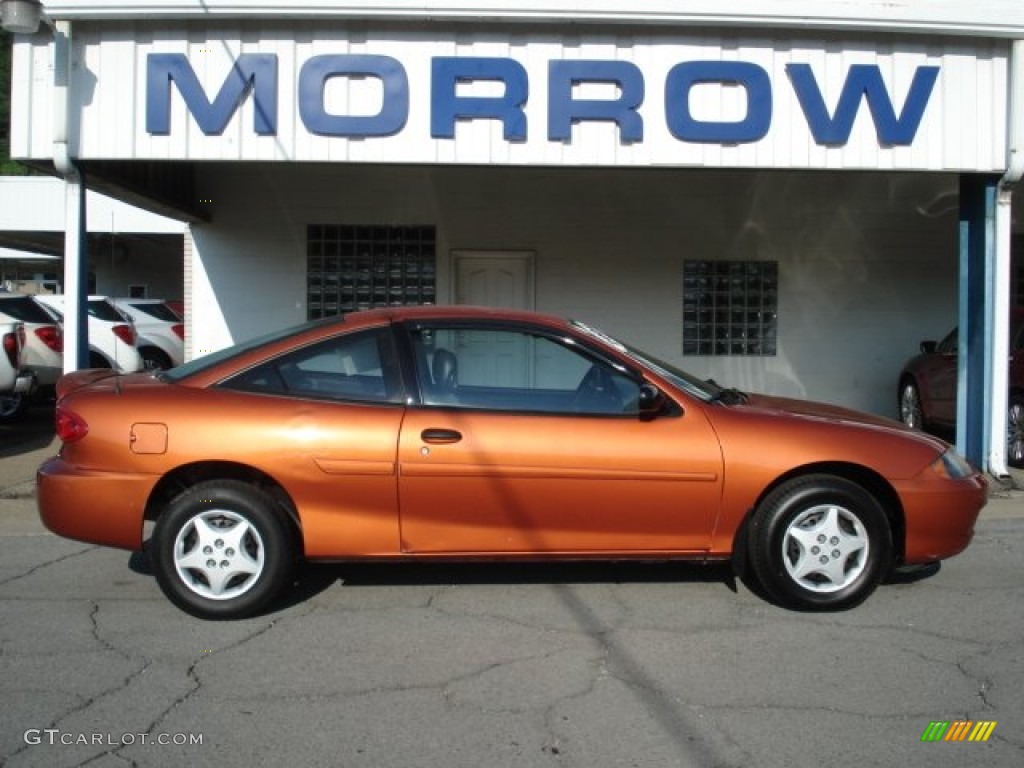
[[596, 392]]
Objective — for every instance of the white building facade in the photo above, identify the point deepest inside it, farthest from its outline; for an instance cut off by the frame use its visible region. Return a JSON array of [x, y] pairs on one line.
[[771, 194]]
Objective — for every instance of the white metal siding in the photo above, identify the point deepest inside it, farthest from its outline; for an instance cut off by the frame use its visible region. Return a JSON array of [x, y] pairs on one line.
[[963, 128]]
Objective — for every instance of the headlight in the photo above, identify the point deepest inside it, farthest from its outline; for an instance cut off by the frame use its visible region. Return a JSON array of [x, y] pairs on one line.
[[952, 465]]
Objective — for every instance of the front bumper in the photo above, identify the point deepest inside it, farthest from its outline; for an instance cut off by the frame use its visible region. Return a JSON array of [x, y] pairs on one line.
[[88, 505], [940, 516]]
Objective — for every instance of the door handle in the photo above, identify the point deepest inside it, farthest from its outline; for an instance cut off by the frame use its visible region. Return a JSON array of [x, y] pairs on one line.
[[440, 436]]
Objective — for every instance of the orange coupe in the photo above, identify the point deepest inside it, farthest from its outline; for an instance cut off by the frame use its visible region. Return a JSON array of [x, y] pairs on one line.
[[434, 432]]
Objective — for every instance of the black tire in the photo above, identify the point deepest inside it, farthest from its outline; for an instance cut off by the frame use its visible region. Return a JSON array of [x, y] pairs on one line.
[[909, 403], [1015, 431], [154, 359], [96, 360], [222, 550], [842, 520], [13, 407]]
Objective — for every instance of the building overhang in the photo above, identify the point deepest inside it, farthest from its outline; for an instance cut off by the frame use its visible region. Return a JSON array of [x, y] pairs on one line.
[[977, 18]]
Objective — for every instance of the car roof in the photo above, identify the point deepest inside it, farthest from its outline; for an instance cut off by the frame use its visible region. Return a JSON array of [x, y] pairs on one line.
[[453, 312]]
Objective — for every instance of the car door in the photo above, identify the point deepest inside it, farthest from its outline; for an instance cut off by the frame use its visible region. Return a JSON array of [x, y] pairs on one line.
[[941, 377], [324, 420], [529, 443]]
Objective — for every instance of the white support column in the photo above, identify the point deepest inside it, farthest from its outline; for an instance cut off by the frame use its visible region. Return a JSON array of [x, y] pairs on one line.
[[999, 397], [189, 251], [76, 329], [999, 394]]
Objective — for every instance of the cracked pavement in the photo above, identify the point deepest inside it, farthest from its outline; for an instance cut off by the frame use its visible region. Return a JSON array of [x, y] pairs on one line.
[[502, 665]]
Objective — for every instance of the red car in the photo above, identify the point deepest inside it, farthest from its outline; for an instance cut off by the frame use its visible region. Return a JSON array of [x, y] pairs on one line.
[[459, 433], [928, 388]]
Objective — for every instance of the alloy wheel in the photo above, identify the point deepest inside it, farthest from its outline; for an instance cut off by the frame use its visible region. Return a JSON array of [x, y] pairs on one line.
[[825, 548], [910, 406], [219, 555]]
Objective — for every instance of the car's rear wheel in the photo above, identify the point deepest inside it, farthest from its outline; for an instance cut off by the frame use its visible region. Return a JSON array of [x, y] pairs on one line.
[[911, 413], [1015, 431], [221, 550], [154, 359], [820, 543], [13, 406]]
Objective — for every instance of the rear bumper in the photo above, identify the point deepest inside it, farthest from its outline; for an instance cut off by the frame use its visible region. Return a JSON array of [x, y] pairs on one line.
[[98, 507], [25, 383], [46, 375], [940, 517]]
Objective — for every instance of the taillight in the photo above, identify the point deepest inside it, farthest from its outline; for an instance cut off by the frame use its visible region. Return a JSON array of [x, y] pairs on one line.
[[179, 330], [125, 334], [11, 348], [51, 336], [70, 426]]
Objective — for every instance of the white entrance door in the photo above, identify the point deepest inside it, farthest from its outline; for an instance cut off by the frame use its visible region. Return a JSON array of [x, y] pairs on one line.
[[492, 279]]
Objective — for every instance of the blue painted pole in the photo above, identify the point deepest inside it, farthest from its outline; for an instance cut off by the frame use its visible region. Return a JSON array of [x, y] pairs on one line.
[[978, 195]]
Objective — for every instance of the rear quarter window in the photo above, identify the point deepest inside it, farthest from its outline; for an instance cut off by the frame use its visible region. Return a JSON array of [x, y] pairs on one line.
[[103, 310], [25, 309], [159, 311]]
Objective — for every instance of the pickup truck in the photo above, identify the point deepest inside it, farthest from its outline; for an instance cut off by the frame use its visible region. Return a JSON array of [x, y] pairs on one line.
[[14, 380]]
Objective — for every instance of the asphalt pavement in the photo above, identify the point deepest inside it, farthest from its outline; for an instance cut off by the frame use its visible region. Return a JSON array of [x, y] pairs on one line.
[[584, 665]]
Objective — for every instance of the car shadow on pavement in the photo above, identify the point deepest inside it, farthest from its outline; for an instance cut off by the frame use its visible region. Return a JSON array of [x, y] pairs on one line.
[[562, 572], [33, 432], [312, 578], [911, 574]]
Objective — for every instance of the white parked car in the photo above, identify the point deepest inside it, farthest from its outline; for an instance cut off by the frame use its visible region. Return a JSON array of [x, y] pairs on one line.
[[161, 334], [112, 338], [15, 381], [41, 353]]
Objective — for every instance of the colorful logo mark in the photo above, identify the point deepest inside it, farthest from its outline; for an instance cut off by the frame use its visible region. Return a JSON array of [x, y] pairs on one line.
[[958, 730]]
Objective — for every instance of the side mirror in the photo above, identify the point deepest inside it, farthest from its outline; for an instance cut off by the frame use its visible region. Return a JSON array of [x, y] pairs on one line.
[[928, 347], [651, 402]]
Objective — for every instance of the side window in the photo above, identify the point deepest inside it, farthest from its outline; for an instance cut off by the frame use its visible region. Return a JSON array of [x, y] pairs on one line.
[[353, 367], [509, 370], [949, 345]]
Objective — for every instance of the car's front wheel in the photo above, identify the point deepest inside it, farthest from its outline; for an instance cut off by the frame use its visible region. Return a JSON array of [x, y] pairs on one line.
[[820, 543], [1015, 431], [221, 550], [911, 412]]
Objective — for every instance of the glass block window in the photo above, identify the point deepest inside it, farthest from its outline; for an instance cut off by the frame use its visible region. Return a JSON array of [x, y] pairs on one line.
[[730, 307], [350, 268]]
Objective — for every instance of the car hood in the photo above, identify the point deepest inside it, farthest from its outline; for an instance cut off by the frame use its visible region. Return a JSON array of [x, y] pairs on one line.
[[815, 410], [834, 414]]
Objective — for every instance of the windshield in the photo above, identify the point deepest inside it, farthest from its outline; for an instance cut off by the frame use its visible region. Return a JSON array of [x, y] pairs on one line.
[[215, 358], [687, 382]]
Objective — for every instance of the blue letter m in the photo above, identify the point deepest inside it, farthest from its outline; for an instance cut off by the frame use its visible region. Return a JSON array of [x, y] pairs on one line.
[[253, 71], [866, 80]]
